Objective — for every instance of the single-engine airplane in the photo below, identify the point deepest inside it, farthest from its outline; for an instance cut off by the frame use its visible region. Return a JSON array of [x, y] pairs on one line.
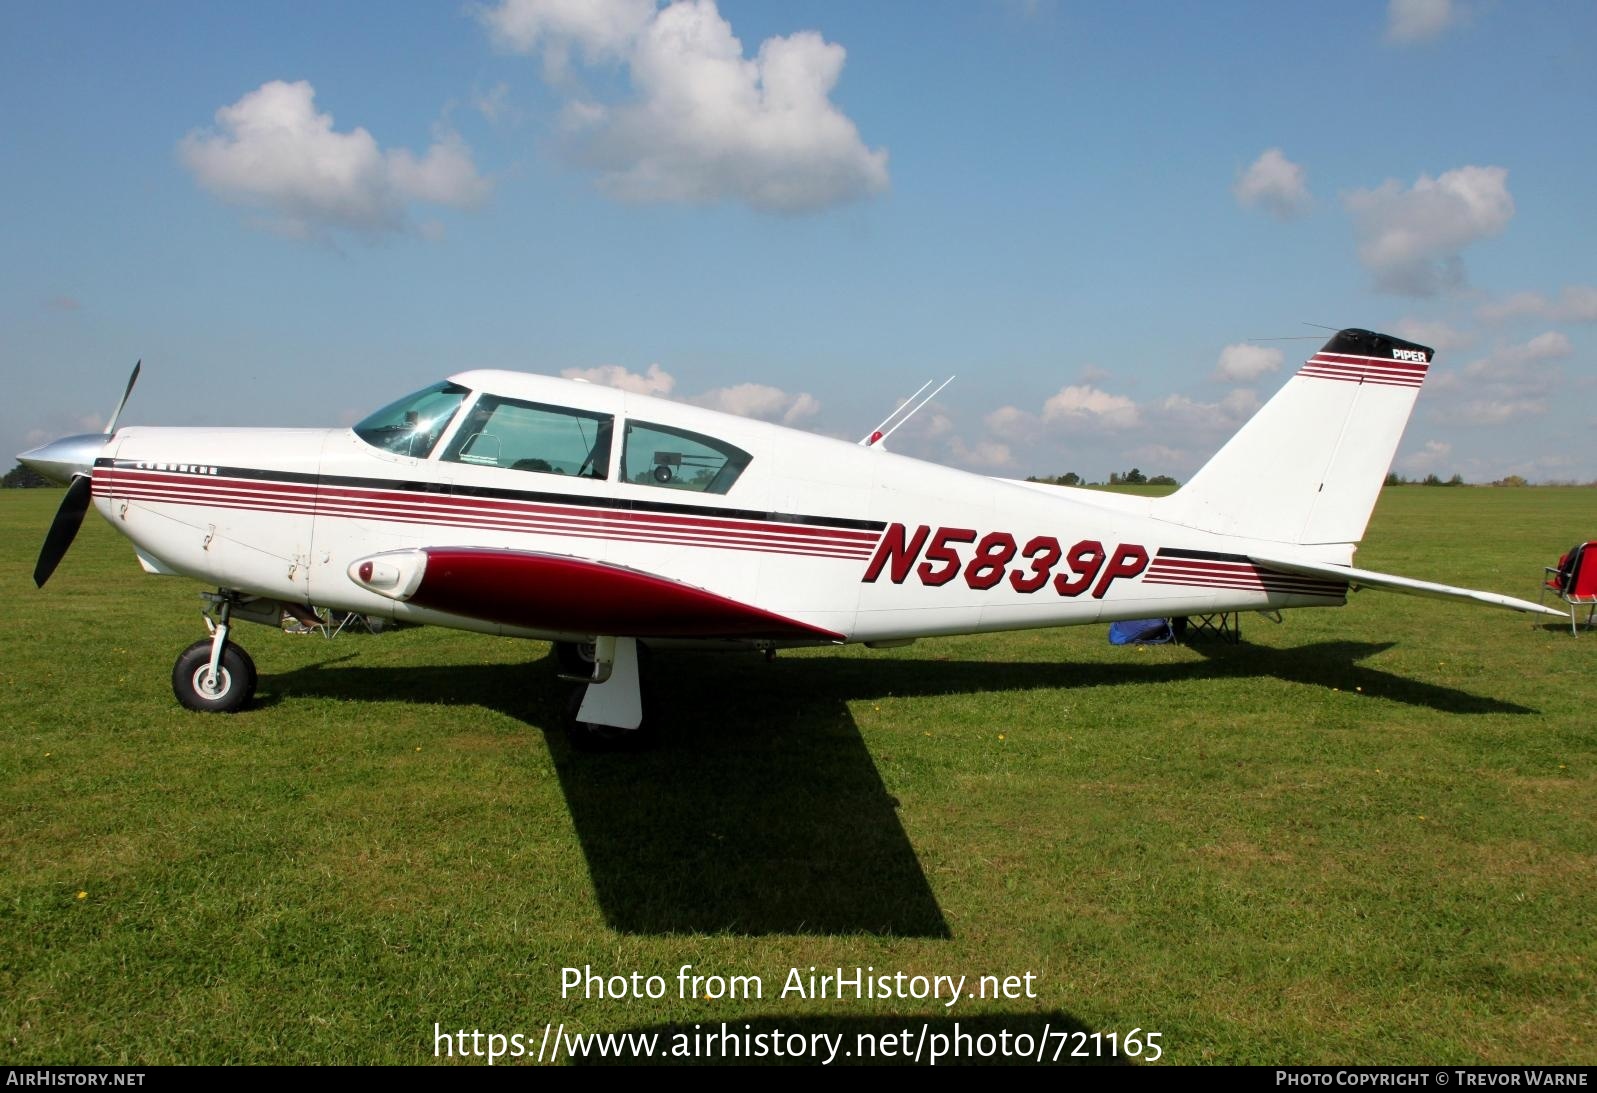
[[602, 521]]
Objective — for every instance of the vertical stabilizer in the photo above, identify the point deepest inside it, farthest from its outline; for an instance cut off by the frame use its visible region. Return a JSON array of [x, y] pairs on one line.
[[1308, 467]]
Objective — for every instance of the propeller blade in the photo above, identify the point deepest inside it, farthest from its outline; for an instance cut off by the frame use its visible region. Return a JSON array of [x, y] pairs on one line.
[[110, 426], [68, 518]]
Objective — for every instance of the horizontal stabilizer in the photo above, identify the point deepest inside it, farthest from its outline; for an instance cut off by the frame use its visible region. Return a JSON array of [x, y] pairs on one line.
[[1364, 578]]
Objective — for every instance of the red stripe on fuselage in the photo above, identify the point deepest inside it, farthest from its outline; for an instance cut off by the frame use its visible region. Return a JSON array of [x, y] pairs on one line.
[[1243, 576], [463, 510]]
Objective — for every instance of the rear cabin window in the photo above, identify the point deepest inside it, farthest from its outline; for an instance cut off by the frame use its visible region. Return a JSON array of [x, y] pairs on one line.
[[412, 425], [658, 455], [529, 436]]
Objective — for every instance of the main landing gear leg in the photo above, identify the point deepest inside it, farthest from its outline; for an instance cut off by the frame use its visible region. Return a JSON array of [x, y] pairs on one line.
[[213, 675], [607, 711]]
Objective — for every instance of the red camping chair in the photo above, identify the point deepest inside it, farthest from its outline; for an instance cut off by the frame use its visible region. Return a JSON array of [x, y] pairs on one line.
[[1574, 580]]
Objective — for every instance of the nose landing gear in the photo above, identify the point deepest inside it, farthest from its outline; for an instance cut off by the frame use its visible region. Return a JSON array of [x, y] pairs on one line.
[[213, 675]]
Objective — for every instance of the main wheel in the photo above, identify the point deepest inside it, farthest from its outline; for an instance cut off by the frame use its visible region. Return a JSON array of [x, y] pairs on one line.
[[575, 658], [191, 680]]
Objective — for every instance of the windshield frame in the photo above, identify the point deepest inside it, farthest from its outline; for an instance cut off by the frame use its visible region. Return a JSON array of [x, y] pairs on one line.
[[385, 428]]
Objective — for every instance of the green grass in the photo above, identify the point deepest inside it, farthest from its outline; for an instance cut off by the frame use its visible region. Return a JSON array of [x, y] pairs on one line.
[[1367, 834]]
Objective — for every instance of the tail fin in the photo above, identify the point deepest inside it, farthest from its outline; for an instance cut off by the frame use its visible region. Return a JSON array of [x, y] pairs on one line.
[[1307, 468]]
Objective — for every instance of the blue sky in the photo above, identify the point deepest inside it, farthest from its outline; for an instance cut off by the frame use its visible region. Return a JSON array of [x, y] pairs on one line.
[[1094, 215]]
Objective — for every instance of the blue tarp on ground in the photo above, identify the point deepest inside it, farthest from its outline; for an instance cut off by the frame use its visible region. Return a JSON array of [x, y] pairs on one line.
[[1140, 632]]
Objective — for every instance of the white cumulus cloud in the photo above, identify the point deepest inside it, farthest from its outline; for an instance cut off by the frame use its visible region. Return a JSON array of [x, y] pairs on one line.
[[1274, 184], [1575, 304], [1411, 238], [274, 151], [758, 400], [1494, 411], [1179, 414], [706, 124], [1516, 380], [1435, 456], [983, 455], [1244, 363], [655, 381], [600, 28], [1417, 20], [1512, 361], [1092, 431], [1085, 405], [1011, 423], [1075, 408]]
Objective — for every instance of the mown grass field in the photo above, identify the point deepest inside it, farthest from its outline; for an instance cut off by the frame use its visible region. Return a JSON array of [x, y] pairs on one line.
[[1364, 835]]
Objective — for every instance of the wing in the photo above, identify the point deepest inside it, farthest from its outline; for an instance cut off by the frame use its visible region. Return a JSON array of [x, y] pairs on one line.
[[1365, 578], [558, 592]]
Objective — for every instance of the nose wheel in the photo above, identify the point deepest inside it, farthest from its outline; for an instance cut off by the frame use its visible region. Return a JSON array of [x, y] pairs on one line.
[[213, 675], [226, 690]]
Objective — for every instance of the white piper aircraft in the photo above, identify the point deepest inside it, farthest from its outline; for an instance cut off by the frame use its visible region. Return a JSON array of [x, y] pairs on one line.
[[603, 520]]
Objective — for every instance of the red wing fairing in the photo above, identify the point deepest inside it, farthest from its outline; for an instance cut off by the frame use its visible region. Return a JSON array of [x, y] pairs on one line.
[[560, 593]]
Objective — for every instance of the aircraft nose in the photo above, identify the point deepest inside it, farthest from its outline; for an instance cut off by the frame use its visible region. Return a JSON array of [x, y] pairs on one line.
[[61, 460]]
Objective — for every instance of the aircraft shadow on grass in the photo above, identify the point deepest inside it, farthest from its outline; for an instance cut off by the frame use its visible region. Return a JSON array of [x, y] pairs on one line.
[[761, 810]]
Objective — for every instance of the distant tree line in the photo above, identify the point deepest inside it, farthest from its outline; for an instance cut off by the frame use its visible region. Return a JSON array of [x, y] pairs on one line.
[[1133, 477], [1395, 479], [22, 478], [1458, 480]]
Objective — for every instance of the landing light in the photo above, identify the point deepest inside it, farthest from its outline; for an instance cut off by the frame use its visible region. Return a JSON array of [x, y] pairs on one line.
[[378, 574], [395, 574]]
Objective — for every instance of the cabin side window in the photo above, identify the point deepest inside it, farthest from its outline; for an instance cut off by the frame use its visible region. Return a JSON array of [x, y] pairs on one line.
[[530, 436], [412, 425], [658, 455]]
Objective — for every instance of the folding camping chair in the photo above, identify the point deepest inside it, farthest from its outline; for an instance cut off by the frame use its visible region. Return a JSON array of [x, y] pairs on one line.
[[1223, 626], [1574, 581], [326, 622], [334, 623]]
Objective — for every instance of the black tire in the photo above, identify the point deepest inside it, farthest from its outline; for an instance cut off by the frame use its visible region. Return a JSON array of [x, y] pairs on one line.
[[575, 658], [238, 679], [586, 736]]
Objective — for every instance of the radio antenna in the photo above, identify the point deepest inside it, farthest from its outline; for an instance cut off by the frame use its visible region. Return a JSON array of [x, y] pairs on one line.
[[902, 414]]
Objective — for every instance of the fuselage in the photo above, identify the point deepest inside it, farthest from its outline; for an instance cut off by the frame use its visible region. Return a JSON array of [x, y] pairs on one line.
[[854, 542]]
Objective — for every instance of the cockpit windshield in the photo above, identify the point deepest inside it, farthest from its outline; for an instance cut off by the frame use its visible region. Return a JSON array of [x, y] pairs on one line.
[[413, 425]]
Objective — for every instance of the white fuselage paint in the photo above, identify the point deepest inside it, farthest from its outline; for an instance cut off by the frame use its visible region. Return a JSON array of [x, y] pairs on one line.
[[283, 513]]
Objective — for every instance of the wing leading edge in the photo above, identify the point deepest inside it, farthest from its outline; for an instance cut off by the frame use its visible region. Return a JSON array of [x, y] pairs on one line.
[[1364, 578]]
